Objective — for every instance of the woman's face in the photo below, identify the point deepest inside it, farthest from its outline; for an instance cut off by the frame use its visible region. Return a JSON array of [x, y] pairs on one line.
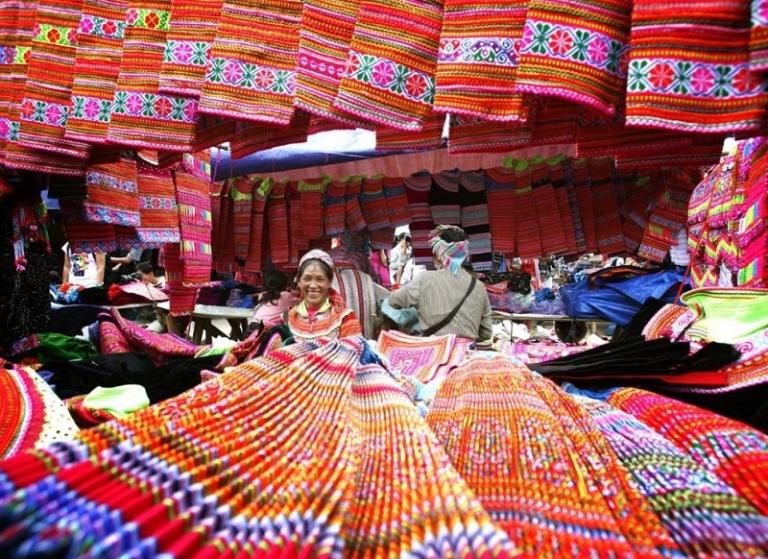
[[314, 285]]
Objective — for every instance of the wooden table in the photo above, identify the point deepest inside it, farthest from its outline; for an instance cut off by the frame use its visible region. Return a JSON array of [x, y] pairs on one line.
[[204, 315], [501, 316]]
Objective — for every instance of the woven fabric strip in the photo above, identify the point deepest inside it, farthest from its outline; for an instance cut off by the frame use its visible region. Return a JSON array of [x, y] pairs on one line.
[[141, 116], [241, 194], [194, 203], [212, 131], [82, 235], [528, 237], [298, 244], [576, 52], [552, 227], [251, 137], [353, 217], [113, 195], [277, 219], [46, 104], [97, 67], [502, 214], [225, 256], [254, 263], [699, 81], [566, 204], [191, 33], [252, 63], [444, 198], [478, 59], [397, 202], [311, 194], [374, 204], [158, 208], [335, 208], [758, 36], [474, 219], [326, 33], [417, 189], [429, 137], [482, 136], [610, 238], [389, 78]]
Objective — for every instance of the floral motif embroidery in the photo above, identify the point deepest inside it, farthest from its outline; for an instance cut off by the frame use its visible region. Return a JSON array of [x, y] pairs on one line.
[[44, 112], [22, 55], [103, 214], [681, 77], [148, 19], [250, 76], [54, 34], [91, 108], [156, 203], [101, 27], [499, 51], [385, 74], [579, 45], [95, 178], [191, 53], [160, 107], [7, 55]]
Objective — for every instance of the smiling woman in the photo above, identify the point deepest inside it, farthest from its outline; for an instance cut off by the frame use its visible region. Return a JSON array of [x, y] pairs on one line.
[[322, 312]]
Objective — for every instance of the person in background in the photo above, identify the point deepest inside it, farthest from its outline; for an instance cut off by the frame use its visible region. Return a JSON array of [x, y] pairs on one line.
[[275, 300], [399, 257], [83, 269], [149, 275], [125, 264], [449, 300], [321, 312], [380, 267]]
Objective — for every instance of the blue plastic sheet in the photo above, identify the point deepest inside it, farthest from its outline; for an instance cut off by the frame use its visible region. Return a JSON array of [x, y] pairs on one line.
[[618, 301]]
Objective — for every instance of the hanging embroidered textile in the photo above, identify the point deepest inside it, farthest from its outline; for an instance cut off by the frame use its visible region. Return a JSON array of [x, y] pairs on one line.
[[241, 194], [470, 135], [704, 151], [33, 416], [735, 452], [335, 208], [298, 244], [608, 231], [374, 204], [417, 188], [142, 117], [390, 68], [758, 37], [158, 209], [277, 218], [491, 401], [397, 202], [478, 58], [528, 239], [444, 199], [211, 131], [474, 219], [552, 227], [255, 259], [97, 67], [311, 195], [429, 137], [575, 52], [617, 141], [326, 33], [225, 256], [192, 29], [701, 82], [113, 195], [354, 218], [182, 298], [194, 202], [252, 137], [583, 188], [502, 214], [46, 104], [82, 235], [245, 80], [559, 173]]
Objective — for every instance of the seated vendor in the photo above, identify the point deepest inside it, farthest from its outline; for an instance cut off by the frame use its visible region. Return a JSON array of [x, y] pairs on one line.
[[275, 300], [321, 311], [83, 269], [444, 300], [149, 275]]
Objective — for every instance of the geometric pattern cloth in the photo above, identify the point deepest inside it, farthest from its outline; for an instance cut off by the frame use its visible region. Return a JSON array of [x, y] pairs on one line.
[[193, 197]]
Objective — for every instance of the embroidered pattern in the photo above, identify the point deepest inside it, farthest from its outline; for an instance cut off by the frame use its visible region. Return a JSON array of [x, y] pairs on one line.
[[159, 107], [44, 112], [157, 203], [251, 76], [681, 77], [101, 27], [55, 34], [102, 179], [499, 51], [148, 19], [91, 108], [9, 129], [192, 53], [578, 45], [390, 76]]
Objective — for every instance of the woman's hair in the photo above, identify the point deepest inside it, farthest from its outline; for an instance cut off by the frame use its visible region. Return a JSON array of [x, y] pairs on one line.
[[275, 283], [324, 266], [453, 235], [145, 267]]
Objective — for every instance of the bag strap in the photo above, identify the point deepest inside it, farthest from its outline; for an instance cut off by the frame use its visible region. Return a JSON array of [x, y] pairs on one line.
[[443, 323]]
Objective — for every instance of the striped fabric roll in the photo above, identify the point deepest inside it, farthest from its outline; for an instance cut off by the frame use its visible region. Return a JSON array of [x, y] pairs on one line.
[[502, 213], [277, 218], [417, 188], [158, 209], [390, 68], [397, 202], [254, 262], [354, 218], [252, 63], [241, 194], [374, 204], [335, 208], [681, 78], [481, 136], [576, 52], [113, 195], [444, 198], [190, 35], [311, 193], [474, 219], [326, 33], [429, 137], [97, 67], [46, 104], [142, 117], [193, 196], [478, 59]]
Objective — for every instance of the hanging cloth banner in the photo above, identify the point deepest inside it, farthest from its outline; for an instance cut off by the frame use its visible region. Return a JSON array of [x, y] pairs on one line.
[[157, 206]]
